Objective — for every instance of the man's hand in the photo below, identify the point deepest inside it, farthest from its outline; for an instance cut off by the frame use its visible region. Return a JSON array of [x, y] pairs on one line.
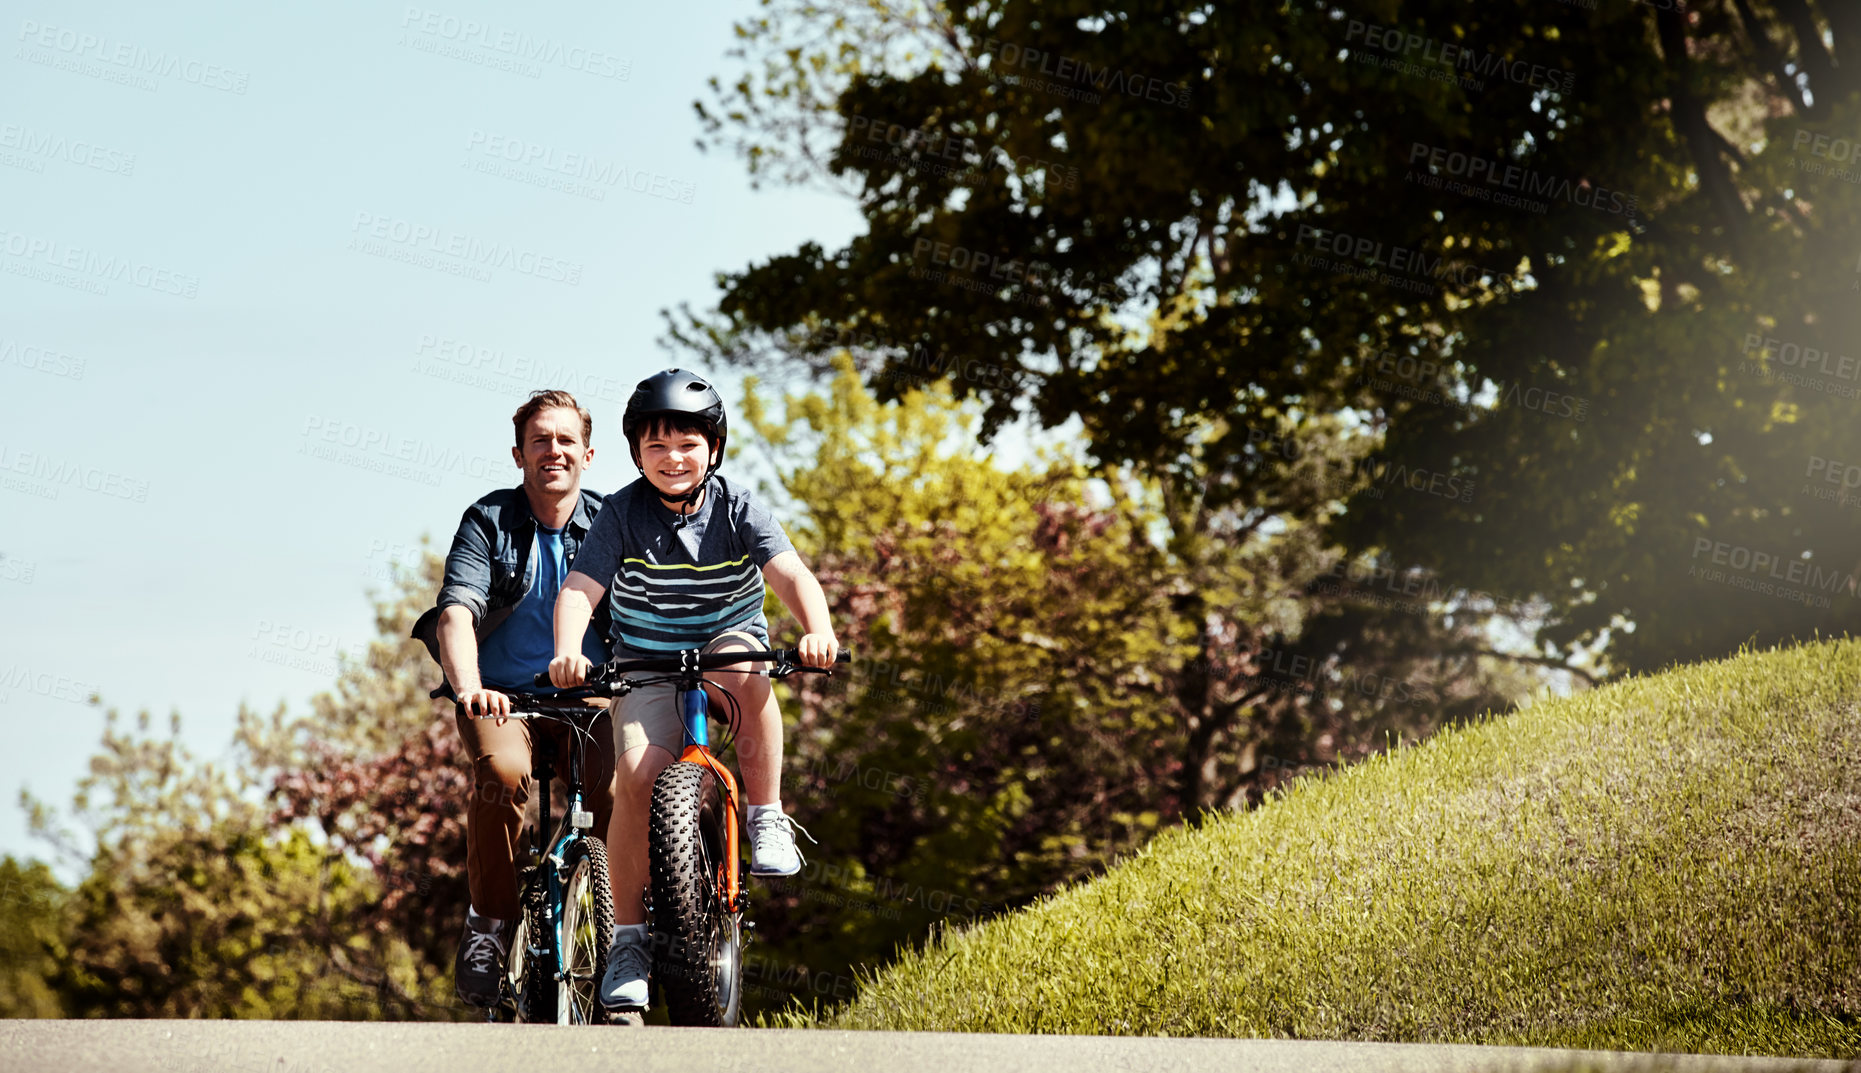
[[486, 702], [818, 649], [569, 671]]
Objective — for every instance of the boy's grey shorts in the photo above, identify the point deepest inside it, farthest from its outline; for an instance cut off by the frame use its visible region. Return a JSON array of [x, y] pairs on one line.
[[650, 716]]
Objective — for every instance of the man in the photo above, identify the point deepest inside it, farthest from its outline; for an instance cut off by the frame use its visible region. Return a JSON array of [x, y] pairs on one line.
[[491, 631]]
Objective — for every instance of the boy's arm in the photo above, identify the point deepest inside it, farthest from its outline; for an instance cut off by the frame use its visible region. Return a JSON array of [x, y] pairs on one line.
[[574, 609], [802, 595]]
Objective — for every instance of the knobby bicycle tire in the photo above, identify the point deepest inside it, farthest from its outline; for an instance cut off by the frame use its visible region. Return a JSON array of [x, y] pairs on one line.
[[587, 928], [536, 994], [697, 947]]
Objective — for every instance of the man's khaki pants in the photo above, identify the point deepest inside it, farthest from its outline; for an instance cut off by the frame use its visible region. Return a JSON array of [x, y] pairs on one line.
[[501, 787]]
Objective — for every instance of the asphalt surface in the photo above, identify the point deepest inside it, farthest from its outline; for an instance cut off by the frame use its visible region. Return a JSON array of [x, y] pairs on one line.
[[348, 1047]]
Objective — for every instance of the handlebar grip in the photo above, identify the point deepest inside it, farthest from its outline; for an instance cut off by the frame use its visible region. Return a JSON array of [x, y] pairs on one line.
[[541, 678]]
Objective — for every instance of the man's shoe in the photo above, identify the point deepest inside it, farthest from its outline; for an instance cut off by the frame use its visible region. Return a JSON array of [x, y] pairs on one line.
[[629, 961], [478, 972], [772, 844]]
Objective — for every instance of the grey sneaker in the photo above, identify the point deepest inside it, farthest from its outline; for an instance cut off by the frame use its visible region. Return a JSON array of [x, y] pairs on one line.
[[772, 845], [629, 961], [478, 971]]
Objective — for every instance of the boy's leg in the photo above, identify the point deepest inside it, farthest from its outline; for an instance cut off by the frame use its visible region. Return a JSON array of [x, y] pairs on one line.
[[638, 767], [759, 737], [759, 753]]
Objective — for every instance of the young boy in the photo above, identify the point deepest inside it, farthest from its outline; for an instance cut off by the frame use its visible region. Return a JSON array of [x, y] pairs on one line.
[[676, 554]]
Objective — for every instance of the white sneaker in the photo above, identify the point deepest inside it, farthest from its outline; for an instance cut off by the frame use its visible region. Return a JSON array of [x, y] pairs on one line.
[[629, 961], [772, 844]]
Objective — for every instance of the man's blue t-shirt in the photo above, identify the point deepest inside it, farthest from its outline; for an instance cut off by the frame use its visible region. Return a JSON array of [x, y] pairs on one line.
[[524, 643]]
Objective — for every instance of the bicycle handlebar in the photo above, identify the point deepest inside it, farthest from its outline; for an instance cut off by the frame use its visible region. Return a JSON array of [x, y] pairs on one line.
[[787, 660]]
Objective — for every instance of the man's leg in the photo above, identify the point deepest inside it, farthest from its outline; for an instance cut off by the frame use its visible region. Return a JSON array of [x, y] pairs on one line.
[[500, 759]]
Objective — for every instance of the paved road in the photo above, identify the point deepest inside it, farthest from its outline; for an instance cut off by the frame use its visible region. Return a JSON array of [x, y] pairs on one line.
[[343, 1047]]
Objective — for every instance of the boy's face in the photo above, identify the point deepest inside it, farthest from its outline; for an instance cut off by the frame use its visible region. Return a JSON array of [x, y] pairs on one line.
[[552, 454], [674, 461]]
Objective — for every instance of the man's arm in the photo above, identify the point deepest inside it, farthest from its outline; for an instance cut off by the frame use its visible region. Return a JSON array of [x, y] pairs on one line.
[[458, 657], [801, 593], [574, 608], [463, 598]]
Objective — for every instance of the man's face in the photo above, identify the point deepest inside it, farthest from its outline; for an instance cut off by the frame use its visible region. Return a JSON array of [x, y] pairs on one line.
[[553, 455], [674, 461]]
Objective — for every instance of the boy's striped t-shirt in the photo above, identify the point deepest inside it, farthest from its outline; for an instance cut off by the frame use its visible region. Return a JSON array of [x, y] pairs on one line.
[[675, 583]]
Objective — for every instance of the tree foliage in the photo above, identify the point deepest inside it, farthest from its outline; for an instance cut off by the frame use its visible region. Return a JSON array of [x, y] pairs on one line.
[[1034, 695], [1613, 365]]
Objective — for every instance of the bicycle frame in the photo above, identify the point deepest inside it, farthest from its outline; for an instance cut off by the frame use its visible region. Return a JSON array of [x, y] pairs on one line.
[[552, 850], [694, 713]]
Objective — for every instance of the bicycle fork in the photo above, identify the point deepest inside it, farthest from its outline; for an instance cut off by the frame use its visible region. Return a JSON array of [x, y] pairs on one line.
[[694, 708]]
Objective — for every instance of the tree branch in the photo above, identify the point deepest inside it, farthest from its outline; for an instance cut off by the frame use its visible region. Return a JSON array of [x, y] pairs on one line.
[[1543, 661], [1770, 58]]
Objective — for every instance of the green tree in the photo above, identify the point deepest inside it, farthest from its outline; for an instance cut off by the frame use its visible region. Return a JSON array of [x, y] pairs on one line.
[[31, 912], [1043, 680], [315, 872], [1615, 370]]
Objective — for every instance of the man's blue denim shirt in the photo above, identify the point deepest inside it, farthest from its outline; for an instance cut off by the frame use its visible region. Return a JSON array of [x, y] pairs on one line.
[[489, 568]]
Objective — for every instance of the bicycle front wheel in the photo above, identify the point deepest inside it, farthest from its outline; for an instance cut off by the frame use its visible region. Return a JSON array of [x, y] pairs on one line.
[[587, 925], [697, 941]]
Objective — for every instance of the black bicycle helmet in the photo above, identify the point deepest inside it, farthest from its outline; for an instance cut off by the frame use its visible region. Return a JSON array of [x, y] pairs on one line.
[[676, 392]]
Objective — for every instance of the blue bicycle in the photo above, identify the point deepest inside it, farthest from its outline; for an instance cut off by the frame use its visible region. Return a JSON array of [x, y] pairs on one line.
[[559, 948]]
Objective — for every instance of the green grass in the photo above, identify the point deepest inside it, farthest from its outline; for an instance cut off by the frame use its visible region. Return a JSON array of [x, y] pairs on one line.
[[1669, 863]]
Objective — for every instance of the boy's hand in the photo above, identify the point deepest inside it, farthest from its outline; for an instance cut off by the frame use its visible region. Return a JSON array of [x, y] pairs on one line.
[[818, 649], [569, 671], [486, 702]]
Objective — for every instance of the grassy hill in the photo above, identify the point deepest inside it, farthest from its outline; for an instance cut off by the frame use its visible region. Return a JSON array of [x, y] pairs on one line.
[[1669, 863]]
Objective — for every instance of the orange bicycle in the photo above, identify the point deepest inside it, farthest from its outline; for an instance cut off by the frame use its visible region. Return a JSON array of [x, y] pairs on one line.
[[695, 906]]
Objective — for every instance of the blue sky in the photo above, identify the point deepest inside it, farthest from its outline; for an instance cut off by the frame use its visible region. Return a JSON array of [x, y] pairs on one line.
[[272, 280]]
